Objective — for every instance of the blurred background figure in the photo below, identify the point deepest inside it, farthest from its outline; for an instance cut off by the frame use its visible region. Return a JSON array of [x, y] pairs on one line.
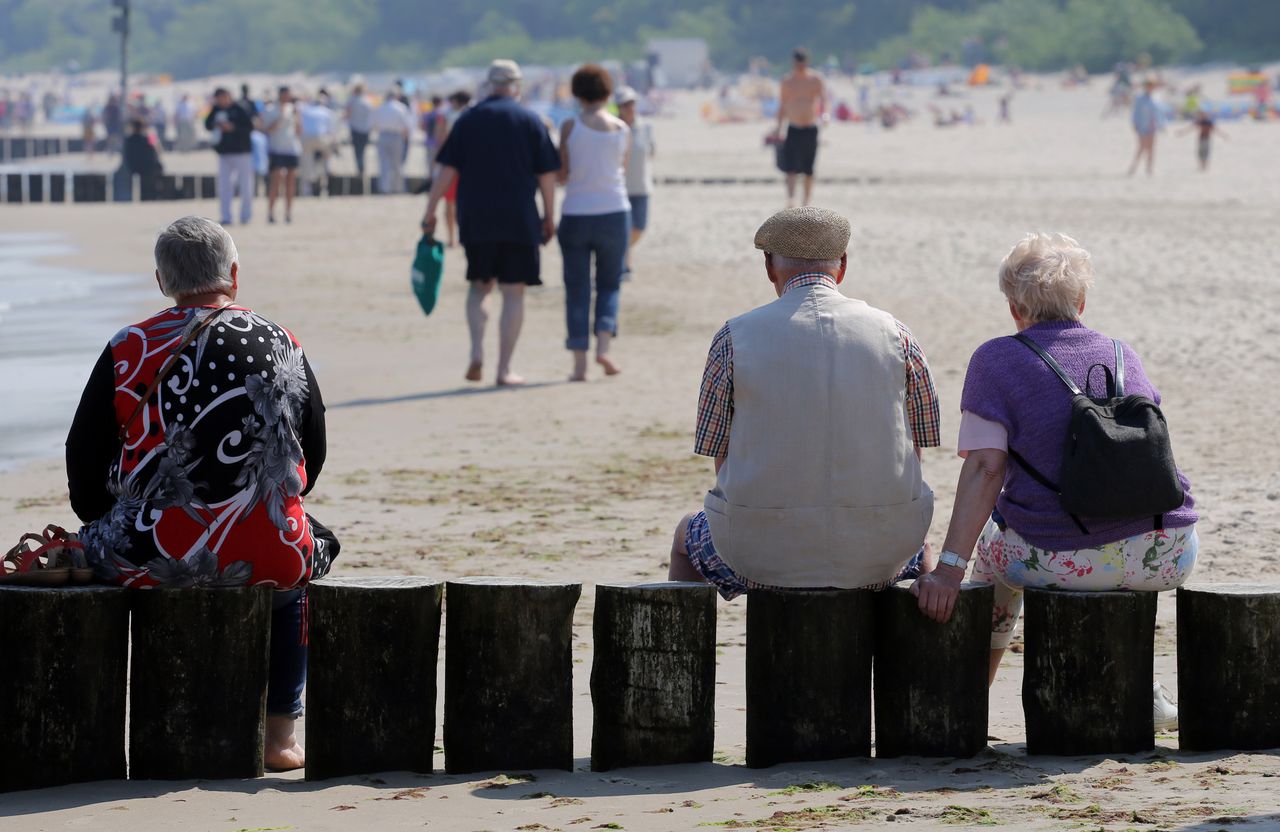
[[359, 122], [394, 124]]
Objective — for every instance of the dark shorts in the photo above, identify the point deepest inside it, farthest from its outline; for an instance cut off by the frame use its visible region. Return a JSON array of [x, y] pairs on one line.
[[799, 150], [505, 262], [287, 161], [639, 212]]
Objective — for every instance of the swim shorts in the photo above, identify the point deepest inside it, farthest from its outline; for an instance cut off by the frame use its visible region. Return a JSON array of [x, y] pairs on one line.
[[504, 262], [799, 150]]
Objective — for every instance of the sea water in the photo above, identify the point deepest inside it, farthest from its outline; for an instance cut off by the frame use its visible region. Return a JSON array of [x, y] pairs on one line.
[[54, 323]]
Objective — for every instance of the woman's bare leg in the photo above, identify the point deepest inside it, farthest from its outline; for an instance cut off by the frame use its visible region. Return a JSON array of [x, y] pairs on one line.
[[273, 191]]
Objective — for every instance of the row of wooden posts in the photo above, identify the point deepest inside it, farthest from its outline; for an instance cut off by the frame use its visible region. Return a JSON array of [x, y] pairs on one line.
[[196, 684]]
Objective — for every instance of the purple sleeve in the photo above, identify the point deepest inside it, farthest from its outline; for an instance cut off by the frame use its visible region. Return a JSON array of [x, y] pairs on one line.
[[983, 393]]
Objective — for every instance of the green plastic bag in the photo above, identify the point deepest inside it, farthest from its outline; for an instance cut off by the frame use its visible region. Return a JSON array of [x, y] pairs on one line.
[[428, 266]]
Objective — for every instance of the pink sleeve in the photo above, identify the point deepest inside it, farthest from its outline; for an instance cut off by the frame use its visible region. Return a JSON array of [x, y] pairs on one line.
[[977, 433]]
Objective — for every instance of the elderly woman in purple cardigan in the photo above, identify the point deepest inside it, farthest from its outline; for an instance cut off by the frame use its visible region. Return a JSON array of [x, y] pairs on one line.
[[1012, 400]]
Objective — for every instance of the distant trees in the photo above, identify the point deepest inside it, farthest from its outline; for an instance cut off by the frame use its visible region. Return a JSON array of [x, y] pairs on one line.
[[200, 37]]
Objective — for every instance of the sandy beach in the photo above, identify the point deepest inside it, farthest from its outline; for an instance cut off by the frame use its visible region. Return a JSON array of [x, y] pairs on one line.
[[429, 475]]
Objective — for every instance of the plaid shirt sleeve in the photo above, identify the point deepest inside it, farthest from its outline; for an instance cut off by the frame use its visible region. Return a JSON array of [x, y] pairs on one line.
[[922, 398], [715, 398]]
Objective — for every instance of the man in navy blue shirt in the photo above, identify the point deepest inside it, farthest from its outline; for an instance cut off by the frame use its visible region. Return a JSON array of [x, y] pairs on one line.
[[502, 156]]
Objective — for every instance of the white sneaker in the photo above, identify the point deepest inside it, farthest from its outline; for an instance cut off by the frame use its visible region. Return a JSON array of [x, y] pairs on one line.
[[1164, 712]]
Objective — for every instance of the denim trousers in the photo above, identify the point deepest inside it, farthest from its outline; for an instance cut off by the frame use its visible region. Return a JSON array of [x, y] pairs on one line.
[[288, 668], [581, 236]]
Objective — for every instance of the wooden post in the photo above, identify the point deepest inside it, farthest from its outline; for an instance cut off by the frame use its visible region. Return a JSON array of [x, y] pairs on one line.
[[371, 675], [653, 674], [198, 686], [62, 685], [931, 678], [1090, 660], [508, 690], [808, 675], [1229, 667]]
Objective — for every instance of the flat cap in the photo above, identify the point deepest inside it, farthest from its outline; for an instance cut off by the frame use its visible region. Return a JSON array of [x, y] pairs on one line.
[[503, 71], [805, 233]]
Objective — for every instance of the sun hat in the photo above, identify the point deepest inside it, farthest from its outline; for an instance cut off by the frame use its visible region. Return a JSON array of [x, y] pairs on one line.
[[805, 233], [503, 71], [625, 95]]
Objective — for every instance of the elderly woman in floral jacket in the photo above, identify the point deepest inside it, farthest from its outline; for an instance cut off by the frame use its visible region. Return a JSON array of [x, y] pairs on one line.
[[198, 434]]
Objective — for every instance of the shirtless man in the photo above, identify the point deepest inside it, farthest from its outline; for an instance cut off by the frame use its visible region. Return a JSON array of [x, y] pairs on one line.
[[802, 102]]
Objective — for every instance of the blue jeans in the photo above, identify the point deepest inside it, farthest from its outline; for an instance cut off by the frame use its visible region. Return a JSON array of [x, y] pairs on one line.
[[288, 667], [581, 236]]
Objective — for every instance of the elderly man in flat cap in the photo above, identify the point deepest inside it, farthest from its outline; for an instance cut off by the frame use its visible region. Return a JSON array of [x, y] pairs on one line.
[[815, 408]]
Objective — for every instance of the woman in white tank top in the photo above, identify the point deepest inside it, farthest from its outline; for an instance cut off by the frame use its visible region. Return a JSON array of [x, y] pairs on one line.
[[595, 218]]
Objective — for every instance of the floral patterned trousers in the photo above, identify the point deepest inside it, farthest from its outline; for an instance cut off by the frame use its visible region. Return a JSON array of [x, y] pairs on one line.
[[1150, 562]]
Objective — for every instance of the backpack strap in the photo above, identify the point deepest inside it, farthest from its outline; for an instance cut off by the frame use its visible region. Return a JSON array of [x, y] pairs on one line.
[[1053, 364], [1119, 370]]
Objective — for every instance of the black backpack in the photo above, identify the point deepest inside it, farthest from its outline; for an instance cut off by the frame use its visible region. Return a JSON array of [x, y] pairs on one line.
[[1117, 463]]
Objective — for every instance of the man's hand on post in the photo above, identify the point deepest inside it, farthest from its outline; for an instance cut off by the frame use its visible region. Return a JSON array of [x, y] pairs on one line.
[[937, 592]]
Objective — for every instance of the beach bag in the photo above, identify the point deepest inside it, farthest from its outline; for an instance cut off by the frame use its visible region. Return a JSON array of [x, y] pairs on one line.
[[1117, 463], [428, 266]]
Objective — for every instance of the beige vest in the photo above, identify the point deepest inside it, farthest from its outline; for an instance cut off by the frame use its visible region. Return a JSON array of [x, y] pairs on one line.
[[822, 487]]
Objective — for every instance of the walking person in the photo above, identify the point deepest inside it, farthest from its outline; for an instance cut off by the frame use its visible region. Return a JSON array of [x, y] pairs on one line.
[[801, 102], [359, 122], [89, 131], [317, 142], [501, 155], [595, 220], [1206, 128], [113, 123], [231, 126], [184, 122], [639, 174], [284, 144], [394, 125], [1146, 122]]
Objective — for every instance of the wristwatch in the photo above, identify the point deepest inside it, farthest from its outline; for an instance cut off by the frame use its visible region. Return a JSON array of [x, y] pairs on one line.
[[952, 559]]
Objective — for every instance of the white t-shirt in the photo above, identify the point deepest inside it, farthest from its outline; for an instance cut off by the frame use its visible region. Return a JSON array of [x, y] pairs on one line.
[[639, 176], [281, 125], [391, 116]]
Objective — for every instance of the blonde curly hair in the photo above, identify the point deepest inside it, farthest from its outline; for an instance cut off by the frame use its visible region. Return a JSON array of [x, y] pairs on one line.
[[1045, 277]]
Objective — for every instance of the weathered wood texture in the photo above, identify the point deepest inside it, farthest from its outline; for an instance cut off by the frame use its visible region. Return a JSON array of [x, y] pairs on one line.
[[62, 688], [808, 675], [1089, 666], [653, 674], [930, 678], [508, 691], [371, 675], [1229, 667], [198, 686]]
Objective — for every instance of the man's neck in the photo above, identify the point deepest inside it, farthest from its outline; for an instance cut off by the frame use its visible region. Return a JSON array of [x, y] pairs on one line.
[[205, 299]]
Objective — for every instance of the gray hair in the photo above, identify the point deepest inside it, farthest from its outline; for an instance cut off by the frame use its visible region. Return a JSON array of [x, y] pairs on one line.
[[1046, 276], [194, 256], [799, 265]]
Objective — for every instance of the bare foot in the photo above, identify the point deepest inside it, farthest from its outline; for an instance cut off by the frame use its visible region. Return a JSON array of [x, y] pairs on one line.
[[281, 751], [611, 367], [510, 380], [475, 371], [578, 376]]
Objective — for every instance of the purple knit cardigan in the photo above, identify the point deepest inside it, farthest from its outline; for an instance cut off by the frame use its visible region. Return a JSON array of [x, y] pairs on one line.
[[1009, 384]]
